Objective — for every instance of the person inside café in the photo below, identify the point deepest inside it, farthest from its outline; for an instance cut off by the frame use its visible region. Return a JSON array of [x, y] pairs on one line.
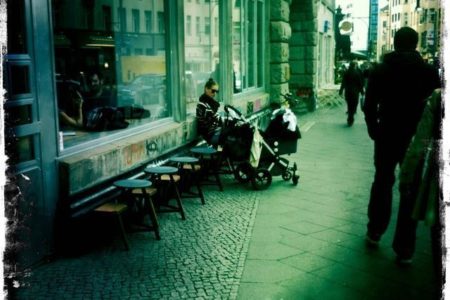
[[70, 104], [97, 94]]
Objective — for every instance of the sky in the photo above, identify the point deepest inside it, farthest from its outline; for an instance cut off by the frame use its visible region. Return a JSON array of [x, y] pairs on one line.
[[359, 10]]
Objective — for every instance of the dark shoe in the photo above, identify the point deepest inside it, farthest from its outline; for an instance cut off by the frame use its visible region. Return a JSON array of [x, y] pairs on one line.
[[350, 121], [372, 240], [404, 261]]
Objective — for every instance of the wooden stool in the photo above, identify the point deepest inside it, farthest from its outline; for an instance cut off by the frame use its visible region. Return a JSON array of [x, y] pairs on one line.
[[165, 178], [130, 188], [189, 168], [115, 209], [210, 163]]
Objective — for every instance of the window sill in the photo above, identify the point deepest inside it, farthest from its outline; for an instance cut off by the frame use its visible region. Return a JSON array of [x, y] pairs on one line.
[[94, 165]]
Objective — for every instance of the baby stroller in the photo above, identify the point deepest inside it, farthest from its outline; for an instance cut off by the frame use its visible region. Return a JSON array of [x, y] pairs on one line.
[[238, 147]]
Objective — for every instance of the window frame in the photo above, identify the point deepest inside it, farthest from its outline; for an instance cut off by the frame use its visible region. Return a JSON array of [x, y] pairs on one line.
[[259, 45]]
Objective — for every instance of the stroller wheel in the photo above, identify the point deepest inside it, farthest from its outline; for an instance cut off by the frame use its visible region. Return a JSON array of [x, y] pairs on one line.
[[286, 175], [261, 179], [243, 172]]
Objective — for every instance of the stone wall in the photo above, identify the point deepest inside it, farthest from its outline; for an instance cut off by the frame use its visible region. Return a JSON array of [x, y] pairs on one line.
[[302, 45], [280, 33]]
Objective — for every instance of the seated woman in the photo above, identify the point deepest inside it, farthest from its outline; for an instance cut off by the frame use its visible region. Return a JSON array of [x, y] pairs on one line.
[[70, 105], [209, 123]]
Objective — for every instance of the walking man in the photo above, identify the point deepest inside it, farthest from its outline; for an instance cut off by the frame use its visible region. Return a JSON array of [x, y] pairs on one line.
[[395, 99], [353, 84]]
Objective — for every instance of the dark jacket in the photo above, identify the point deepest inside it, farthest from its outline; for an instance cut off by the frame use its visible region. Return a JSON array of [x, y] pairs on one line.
[[396, 95], [208, 120], [419, 173], [352, 83]]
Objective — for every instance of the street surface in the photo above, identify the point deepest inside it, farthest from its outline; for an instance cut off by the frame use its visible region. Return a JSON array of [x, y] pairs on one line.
[[287, 242]]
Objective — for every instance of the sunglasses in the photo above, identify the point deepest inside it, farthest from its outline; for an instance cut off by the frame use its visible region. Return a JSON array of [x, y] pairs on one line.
[[214, 91]]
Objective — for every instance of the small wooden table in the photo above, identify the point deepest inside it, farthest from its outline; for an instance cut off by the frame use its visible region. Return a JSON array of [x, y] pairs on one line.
[[210, 163], [189, 168], [166, 178], [128, 185]]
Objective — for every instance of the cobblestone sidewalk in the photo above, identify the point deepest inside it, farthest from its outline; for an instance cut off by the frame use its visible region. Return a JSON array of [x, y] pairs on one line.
[[199, 258]]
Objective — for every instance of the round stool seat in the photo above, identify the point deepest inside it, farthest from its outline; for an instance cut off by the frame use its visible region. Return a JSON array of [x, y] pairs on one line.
[[161, 170], [166, 177], [189, 167], [184, 159], [116, 208], [203, 150], [150, 191], [133, 183]]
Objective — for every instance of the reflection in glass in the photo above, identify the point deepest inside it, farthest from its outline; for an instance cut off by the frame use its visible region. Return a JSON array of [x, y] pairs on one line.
[[20, 79], [21, 149], [238, 35], [260, 42], [18, 115], [201, 48], [16, 27], [115, 51], [248, 44]]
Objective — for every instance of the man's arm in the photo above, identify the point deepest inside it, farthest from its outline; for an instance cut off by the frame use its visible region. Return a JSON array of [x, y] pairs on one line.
[[370, 107], [341, 89]]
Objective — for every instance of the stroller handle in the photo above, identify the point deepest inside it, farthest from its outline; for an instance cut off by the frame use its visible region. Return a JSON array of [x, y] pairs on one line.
[[234, 113]]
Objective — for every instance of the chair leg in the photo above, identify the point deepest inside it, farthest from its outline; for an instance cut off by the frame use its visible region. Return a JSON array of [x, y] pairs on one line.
[[178, 199], [153, 217], [122, 231], [200, 191]]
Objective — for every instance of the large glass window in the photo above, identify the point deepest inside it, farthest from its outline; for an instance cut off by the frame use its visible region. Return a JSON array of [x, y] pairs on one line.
[[110, 70], [248, 46], [201, 49]]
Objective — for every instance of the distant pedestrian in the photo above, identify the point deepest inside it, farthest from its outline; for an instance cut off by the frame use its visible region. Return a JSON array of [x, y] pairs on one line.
[[353, 84], [395, 98]]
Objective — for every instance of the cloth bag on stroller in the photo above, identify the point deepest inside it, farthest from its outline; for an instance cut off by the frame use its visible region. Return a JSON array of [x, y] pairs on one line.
[[283, 130], [237, 141]]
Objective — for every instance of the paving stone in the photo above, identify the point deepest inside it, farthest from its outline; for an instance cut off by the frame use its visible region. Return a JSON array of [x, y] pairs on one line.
[[193, 256], [287, 242]]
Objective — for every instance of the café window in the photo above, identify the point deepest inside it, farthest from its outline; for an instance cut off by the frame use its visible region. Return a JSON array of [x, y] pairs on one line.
[[111, 73], [201, 49], [248, 45]]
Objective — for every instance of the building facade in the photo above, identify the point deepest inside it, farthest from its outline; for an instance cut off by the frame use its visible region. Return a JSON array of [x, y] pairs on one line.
[[373, 29], [151, 60], [384, 34], [312, 46], [424, 16]]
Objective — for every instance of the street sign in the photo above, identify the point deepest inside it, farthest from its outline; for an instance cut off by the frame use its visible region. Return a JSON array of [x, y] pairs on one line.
[[345, 27]]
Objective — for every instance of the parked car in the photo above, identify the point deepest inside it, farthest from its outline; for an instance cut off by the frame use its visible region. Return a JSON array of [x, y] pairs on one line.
[[195, 83], [146, 90]]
